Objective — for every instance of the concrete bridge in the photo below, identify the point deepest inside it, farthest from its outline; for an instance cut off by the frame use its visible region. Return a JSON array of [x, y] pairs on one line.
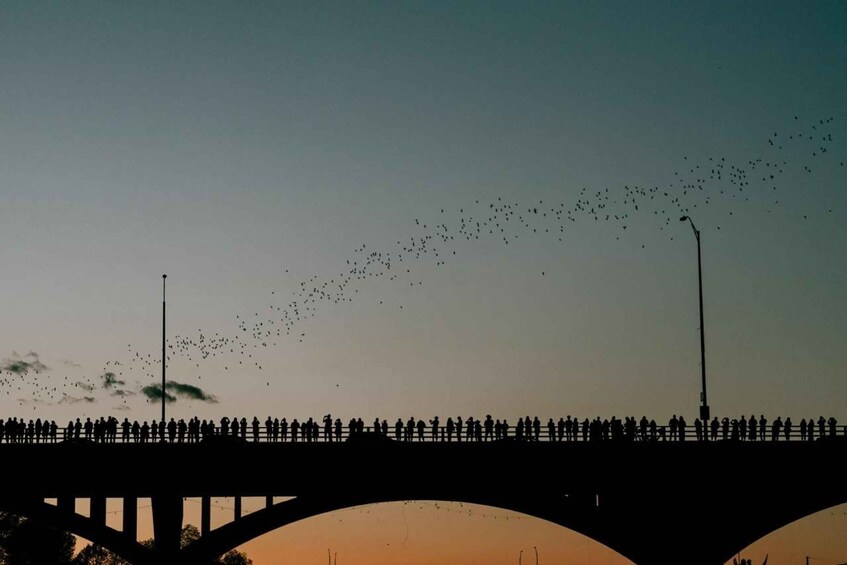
[[655, 503]]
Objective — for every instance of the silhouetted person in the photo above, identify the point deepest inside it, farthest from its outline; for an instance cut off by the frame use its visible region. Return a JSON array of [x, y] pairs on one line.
[[715, 425], [255, 424], [551, 430], [295, 430], [171, 430], [832, 425], [338, 427], [459, 425], [398, 429], [776, 428], [752, 424], [763, 427], [451, 427], [698, 429], [787, 428], [803, 429], [421, 429], [327, 420], [680, 425], [821, 426]]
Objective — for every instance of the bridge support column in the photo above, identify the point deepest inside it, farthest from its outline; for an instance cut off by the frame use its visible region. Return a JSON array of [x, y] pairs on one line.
[[205, 515], [167, 527], [98, 510], [67, 504], [237, 507], [130, 514], [269, 501]]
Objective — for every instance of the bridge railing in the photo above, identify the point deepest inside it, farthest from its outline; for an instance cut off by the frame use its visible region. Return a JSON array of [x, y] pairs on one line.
[[440, 435]]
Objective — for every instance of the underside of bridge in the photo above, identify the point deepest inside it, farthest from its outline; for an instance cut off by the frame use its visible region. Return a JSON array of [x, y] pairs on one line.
[[707, 531], [655, 504]]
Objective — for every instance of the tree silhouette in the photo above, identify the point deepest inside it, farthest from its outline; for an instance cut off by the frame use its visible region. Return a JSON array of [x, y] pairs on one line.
[[28, 542]]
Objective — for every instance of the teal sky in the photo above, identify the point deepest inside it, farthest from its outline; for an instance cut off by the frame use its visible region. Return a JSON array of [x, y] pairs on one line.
[[244, 148]]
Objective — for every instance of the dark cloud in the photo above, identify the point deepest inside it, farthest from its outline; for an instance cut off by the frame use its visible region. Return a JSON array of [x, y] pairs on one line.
[[18, 365], [174, 390], [190, 391], [154, 393], [110, 380]]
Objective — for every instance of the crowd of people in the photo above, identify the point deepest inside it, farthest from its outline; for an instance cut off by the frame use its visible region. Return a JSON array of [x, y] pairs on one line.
[[470, 429]]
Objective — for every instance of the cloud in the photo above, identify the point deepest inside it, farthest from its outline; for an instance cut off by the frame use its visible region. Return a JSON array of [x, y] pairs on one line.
[[110, 380], [66, 399], [174, 390], [18, 365], [84, 386], [69, 363], [190, 391], [121, 407], [154, 393], [120, 392]]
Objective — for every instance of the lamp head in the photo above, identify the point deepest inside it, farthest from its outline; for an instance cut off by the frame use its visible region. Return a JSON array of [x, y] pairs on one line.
[[682, 219]]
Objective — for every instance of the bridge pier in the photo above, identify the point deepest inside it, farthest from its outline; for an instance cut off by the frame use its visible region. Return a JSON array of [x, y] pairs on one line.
[[205, 515], [130, 517], [237, 513], [167, 528], [98, 510]]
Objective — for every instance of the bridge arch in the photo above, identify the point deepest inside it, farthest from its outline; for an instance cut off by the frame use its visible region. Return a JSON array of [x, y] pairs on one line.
[[77, 524], [725, 538], [560, 511]]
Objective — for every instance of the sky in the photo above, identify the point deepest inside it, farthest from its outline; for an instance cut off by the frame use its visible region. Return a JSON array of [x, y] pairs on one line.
[[261, 153]]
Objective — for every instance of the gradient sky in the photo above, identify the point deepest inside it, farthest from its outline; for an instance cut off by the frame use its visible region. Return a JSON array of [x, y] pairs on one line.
[[243, 149]]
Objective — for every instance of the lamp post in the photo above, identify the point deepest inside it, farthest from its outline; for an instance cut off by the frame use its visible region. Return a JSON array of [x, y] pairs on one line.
[[704, 406], [164, 395]]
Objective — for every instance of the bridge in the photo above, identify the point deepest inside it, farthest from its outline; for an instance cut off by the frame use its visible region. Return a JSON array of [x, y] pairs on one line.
[[654, 502]]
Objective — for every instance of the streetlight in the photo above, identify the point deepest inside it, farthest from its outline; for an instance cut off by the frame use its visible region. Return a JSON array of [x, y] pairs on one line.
[[164, 395], [704, 407]]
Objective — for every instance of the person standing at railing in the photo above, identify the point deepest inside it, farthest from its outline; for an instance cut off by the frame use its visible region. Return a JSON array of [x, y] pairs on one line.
[[451, 427], [680, 425], [421, 429], [776, 428], [489, 427], [698, 429], [551, 430], [832, 423], [821, 426], [787, 428], [742, 428], [752, 425]]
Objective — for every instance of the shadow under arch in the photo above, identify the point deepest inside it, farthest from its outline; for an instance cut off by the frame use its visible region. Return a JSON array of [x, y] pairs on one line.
[[560, 511], [77, 524]]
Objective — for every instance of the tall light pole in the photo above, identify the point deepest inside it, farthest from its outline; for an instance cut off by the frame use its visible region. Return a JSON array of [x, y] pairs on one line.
[[704, 406], [164, 358]]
